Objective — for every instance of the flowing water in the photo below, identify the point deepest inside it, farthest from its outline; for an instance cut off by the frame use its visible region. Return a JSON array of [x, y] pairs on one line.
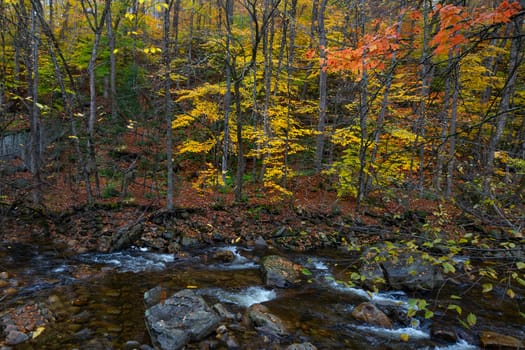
[[97, 299]]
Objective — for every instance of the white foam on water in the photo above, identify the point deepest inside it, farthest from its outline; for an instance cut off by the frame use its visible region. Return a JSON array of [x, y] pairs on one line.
[[130, 261], [460, 345], [412, 333], [239, 262], [318, 264], [246, 297]]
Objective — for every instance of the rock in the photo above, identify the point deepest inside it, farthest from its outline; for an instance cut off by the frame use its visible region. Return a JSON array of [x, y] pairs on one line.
[[223, 256], [374, 276], [189, 241], [179, 319], [131, 345], [280, 272], [369, 313], [126, 236], [226, 337], [222, 312], [260, 243], [302, 346], [260, 317], [493, 340], [15, 337], [405, 270], [154, 296], [444, 333]]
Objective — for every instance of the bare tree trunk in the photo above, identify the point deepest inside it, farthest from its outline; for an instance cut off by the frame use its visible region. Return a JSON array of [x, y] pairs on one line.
[[36, 140], [425, 73], [443, 121], [112, 67], [268, 71], [240, 144], [515, 59], [291, 26], [168, 103], [323, 79], [228, 95], [54, 51], [96, 24], [452, 133]]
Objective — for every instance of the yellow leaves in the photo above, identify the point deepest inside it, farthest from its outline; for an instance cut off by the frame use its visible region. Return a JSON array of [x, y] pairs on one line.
[[161, 6], [403, 134], [152, 50], [346, 137], [37, 332], [182, 121], [191, 146]]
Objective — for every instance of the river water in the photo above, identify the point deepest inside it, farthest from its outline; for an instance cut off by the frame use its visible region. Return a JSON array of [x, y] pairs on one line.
[[97, 299]]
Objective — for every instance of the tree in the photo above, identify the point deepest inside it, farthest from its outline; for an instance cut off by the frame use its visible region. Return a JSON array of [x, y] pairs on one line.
[[96, 21]]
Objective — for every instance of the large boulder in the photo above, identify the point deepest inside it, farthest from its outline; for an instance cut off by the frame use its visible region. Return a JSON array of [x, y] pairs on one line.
[[280, 272], [179, 319], [399, 268], [370, 314]]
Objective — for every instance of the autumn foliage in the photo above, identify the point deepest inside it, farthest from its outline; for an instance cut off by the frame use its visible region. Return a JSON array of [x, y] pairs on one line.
[[423, 99]]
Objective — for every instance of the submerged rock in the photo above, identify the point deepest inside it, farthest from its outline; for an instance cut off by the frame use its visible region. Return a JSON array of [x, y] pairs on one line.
[[280, 272], [493, 340], [302, 346], [260, 317], [369, 313], [179, 319]]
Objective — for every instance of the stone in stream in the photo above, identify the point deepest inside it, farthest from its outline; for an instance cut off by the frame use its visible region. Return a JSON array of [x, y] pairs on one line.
[[494, 340], [369, 313], [280, 272], [260, 317], [408, 269], [443, 332], [302, 346], [179, 319]]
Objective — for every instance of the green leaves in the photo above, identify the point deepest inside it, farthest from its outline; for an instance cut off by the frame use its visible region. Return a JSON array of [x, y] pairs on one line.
[[471, 319], [487, 287], [455, 307]]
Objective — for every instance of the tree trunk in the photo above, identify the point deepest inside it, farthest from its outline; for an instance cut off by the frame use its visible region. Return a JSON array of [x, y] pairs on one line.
[[515, 59], [452, 134], [168, 103], [96, 24], [323, 78], [425, 74], [36, 140], [227, 97], [112, 68]]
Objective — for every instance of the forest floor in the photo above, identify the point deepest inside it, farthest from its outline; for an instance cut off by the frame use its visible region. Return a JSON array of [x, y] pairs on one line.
[[313, 209]]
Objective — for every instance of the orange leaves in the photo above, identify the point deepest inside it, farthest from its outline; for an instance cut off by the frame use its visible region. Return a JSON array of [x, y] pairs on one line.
[[502, 14], [453, 21], [456, 22], [370, 53]]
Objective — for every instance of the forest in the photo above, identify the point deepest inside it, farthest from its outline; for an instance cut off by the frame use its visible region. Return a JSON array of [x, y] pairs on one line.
[[392, 129], [370, 100]]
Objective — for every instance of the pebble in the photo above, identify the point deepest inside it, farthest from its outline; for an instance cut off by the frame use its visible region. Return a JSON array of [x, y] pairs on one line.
[[15, 337]]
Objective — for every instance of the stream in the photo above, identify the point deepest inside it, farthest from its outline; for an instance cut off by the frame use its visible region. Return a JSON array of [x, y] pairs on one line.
[[97, 299]]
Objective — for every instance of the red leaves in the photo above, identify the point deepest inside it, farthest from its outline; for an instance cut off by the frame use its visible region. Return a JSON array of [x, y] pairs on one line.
[[456, 27], [456, 22]]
